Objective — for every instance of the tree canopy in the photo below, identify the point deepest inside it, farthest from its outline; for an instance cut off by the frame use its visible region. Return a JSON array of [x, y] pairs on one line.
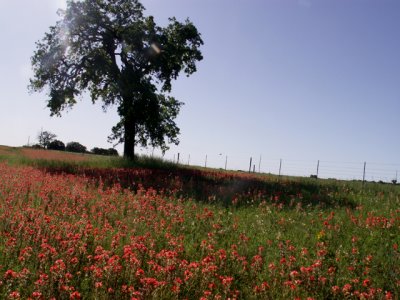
[[56, 145], [121, 57], [45, 138], [75, 147]]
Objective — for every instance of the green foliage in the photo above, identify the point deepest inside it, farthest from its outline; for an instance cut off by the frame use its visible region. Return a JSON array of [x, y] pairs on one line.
[[102, 151], [122, 58], [75, 147], [56, 145], [37, 146]]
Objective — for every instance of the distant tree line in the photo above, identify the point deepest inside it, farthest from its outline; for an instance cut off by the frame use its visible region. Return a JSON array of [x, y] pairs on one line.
[[47, 140], [102, 151]]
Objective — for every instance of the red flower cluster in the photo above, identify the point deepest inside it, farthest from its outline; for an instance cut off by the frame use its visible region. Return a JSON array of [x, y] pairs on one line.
[[67, 236]]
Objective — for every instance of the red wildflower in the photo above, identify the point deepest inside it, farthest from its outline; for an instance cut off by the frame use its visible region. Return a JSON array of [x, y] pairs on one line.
[[75, 295], [15, 295]]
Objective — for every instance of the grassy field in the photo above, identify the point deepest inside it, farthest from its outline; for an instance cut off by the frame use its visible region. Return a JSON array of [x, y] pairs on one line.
[[76, 226]]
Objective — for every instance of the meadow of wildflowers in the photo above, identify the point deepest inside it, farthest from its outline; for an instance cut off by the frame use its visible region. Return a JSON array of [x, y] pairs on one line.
[[142, 233]]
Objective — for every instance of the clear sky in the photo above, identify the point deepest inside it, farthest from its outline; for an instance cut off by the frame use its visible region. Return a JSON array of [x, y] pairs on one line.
[[301, 80]]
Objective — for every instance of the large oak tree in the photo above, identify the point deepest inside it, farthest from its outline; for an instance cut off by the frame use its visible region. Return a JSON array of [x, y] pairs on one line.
[[121, 57]]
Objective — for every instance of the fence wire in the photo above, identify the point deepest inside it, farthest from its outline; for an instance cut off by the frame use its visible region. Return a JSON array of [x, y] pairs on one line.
[[386, 172]]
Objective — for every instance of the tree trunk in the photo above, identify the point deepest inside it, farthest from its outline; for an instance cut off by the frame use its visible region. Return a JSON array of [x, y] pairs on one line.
[[129, 148], [129, 137]]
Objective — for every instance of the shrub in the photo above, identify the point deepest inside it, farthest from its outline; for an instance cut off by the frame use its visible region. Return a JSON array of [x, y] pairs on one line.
[[56, 145], [102, 151], [112, 152], [99, 151], [37, 146], [75, 147]]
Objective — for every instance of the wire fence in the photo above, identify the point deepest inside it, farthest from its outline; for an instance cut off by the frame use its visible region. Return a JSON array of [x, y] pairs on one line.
[[368, 171]]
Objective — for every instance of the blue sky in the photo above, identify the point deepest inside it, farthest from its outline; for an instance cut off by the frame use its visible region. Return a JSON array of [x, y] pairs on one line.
[[298, 80]]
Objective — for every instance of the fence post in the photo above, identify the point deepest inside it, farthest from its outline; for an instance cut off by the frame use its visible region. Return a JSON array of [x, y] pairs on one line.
[[259, 165], [365, 163], [280, 166], [226, 161], [317, 167], [254, 168], [250, 164], [178, 159]]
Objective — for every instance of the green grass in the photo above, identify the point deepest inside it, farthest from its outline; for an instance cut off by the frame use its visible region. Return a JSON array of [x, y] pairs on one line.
[[313, 237], [14, 156]]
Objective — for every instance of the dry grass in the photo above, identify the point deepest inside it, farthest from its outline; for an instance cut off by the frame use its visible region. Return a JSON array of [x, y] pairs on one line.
[[53, 155], [4, 150], [29, 155]]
